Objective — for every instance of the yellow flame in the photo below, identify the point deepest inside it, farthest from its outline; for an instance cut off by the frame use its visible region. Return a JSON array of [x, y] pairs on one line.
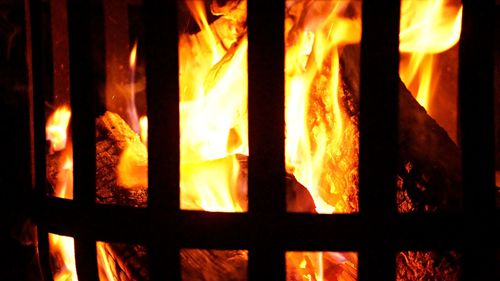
[[133, 56], [427, 29], [143, 124], [213, 123], [316, 125], [107, 268], [132, 168], [56, 128], [62, 249]]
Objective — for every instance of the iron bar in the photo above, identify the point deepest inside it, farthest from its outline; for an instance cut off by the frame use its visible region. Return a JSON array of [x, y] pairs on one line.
[[266, 163], [476, 102], [41, 82], [161, 47], [87, 79], [378, 126]]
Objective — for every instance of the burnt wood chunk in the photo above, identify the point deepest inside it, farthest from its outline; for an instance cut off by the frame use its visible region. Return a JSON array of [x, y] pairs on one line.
[[113, 136], [429, 172], [429, 160]]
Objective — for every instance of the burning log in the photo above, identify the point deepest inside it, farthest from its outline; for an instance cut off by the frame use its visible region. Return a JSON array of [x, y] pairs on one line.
[[114, 138], [429, 160], [429, 177]]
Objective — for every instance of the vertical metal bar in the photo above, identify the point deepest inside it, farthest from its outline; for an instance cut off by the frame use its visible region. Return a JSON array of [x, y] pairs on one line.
[[40, 82], [87, 78], [378, 135], [161, 47], [266, 167], [476, 102]]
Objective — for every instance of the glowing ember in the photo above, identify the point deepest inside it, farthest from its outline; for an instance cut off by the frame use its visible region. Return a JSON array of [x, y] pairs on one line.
[[132, 169]]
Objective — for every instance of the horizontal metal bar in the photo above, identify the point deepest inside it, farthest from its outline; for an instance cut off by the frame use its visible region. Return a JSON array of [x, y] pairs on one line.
[[293, 231]]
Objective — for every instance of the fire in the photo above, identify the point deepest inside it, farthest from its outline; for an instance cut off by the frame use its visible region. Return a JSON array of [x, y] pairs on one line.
[[107, 269], [143, 124], [64, 267], [56, 128], [131, 107], [213, 94], [428, 28], [318, 132], [62, 247], [321, 145], [133, 57]]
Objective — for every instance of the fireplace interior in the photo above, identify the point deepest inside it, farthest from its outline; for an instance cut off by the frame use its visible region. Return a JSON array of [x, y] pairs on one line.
[[251, 140]]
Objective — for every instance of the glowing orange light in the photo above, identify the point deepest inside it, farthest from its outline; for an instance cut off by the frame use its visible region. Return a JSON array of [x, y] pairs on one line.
[[427, 29], [56, 128]]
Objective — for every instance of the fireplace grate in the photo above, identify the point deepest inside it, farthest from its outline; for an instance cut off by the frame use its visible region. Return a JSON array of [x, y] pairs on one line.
[[376, 233]]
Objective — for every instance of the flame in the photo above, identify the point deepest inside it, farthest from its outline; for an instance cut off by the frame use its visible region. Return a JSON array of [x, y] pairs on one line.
[[132, 168], [428, 28], [321, 146], [65, 267], [318, 133], [143, 124], [213, 94], [62, 247], [56, 128], [133, 57], [131, 107], [107, 264], [56, 131]]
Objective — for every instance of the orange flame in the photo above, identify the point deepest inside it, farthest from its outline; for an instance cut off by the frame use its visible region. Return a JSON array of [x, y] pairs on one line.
[[62, 247], [107, 264], [213, 91], [143, 124], [64, 256], [427, 29], [317, 129], [133, 57]]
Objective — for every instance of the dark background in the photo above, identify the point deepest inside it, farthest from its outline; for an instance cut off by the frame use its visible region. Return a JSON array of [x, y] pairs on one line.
[[17, 249]]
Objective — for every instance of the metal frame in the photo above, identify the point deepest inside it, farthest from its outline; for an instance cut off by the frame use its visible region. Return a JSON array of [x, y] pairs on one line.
[[377, 232]]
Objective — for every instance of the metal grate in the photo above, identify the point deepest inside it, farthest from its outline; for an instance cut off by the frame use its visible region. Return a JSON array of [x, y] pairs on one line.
[[377, 232]]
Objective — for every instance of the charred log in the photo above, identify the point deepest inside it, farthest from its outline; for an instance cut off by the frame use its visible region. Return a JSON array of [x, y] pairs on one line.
[[113, 137], [429, 160], [429, 173]]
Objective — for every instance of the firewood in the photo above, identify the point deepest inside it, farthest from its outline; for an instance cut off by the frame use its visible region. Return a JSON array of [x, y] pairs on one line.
[[113, 137], [213, 265], [429, 160], [429, 171]]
